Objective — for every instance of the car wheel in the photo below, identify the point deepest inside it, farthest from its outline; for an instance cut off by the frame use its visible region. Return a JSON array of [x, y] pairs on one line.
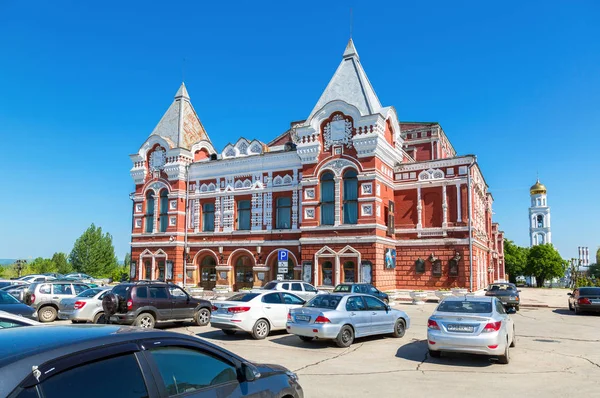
[[306, 338], [570, 306], [261, 329], [145, 320], [505, 359], [47, 314], [435, 354], [229, 332], [513, 343], [202, 317], [517, 308], [345, 337], [100, 318], [399, 328], [577, 310]]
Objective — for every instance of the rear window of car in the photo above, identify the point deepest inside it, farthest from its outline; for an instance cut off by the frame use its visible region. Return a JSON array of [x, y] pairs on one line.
[[244, 297], [121, 290], [89, 293], [270, 286], [466, 307], [329, 301], [501, 287], [343, 288], [592, 291]]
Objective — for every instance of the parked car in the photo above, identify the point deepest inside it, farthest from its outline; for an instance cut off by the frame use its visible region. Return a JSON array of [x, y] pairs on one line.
[[17, 291], [146, 302], [8, 320], [11, 305], [344, 317], [11, 282], [363, 288], [257, 313], [507, 293], [585, 299], [55, 275], [45, 296], [302, 289], [35, 278], [85, 307], [69, 360], [73, 279], [471, 324]]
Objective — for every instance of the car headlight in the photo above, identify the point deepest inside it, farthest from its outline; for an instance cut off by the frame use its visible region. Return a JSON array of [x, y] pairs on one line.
[[292, 375]]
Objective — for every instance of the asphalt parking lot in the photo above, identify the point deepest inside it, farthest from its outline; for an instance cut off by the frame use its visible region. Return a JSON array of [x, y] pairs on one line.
[[557, 354]]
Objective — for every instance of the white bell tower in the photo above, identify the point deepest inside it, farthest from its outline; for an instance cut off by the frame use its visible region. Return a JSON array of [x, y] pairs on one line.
[[539, 216]]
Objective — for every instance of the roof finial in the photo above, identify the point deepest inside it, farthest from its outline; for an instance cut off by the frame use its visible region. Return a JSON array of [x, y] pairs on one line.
[[350, 50]]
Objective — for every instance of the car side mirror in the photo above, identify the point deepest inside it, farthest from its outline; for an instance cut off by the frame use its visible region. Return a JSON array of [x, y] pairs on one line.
[[249, 372], [485, 290], [570, 294], [388, 308], [519, 291]]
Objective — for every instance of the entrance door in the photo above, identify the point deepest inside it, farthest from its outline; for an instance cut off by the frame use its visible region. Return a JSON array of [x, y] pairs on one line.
[[208, 273], [244, 277]]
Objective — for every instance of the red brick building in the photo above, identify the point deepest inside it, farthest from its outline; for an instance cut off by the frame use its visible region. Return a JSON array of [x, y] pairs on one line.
[[349, 194]]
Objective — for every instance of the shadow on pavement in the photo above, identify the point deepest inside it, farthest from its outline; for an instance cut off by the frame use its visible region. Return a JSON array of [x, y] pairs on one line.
[[238, 336], [562, 311], [291, 340], [416, 351]]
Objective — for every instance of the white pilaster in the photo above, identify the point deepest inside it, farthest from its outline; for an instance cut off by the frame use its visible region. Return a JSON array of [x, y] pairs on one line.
[[444, 207], [419, 208], [338, 203], [458, 204]]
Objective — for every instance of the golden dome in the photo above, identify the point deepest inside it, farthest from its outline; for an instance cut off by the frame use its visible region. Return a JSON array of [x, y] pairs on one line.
[[537, 188]]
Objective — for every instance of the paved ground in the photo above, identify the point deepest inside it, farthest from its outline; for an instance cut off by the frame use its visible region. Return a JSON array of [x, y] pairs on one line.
[[557, 355]]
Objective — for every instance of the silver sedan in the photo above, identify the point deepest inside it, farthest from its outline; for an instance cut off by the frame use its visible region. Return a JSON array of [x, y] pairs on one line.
[[85, 307], [344, 317], [474, 325]]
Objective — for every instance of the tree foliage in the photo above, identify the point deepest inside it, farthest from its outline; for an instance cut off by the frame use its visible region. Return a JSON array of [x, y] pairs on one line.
[[62, 264], [598, 256], [94, 253], [544, 262], [515, 259]]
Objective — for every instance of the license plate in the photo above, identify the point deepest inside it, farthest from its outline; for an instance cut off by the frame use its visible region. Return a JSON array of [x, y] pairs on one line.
[[460, 328], [302, 318]]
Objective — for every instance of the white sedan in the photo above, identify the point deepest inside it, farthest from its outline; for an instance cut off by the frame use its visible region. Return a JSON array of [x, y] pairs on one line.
[[255, 313]]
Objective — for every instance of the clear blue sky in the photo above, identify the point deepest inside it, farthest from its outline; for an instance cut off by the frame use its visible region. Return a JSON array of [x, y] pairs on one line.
[[82, 84]]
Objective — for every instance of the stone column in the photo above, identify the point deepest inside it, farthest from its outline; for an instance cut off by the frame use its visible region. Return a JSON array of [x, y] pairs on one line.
[[444, 207], [196, 215], [419, 208]]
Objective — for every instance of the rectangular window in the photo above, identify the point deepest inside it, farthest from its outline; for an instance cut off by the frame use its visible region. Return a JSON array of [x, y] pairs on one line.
[[350, 201], [244, 215], [327, 202], [284, 213], [164, 219], [208, 217]]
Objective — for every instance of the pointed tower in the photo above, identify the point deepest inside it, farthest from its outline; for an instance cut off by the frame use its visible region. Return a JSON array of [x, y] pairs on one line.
[[539, 215], [350, 84], [180, 124]]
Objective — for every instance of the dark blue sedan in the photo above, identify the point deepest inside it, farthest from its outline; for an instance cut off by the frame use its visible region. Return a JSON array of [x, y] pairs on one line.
[[364, 288]]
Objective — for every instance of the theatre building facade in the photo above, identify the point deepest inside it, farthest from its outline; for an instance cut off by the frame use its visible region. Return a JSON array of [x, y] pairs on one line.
[[351, 194]]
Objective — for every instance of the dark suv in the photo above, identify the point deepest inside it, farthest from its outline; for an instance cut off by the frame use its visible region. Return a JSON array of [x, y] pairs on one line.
[[363, 288], [145, 303]]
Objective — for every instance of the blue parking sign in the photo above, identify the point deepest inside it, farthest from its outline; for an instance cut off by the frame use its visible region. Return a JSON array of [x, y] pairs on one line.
[[282, 255]]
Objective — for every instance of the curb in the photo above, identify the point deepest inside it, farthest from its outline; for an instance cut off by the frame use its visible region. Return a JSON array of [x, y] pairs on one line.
[[435, 301]]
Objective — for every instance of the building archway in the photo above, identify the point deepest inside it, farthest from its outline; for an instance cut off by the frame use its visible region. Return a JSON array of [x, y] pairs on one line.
[[208, 272]]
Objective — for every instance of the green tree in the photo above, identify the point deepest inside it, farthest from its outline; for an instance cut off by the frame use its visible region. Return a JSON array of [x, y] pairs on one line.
[[594, 270], [94, 253], [41, 266], [62, 264], [598, 256], [544, 262], [515, 260]]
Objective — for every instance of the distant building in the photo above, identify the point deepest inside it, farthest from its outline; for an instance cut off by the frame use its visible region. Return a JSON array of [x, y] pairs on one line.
[[351, 194], [539, 216]]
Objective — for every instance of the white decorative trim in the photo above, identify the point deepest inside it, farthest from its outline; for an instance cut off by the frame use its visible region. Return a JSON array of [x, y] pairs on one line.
[[366, 210], [309, 193], [338, 132], [138, 207], [172, 221], [173, 204], [367, 188], [431, 175], [138, 223], [309, 213]]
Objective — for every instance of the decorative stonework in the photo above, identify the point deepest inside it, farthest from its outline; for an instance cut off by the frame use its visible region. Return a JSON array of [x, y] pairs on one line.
[[138, 223], [138, 207], [158, 158], [367, 188], [257, 211], [268, 210], [367, 210], [172, 221], [431, 174], [295, 209], [173, 204], [309, 213], [338, 132], [337, 165], [218, 212], [309, 193]]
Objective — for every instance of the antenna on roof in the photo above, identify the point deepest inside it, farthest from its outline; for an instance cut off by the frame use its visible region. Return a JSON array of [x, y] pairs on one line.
[[351, 22]]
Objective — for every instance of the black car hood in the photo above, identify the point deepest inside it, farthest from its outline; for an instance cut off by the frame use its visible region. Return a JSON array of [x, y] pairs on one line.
[[268, 369], [18, 309]]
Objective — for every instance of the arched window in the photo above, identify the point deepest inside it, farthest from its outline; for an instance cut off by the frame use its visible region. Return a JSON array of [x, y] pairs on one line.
[[284, 213], [350, 197], [327, 273], [327, 199], [540, 221], [164, 208], [540, 239], [150, 211]]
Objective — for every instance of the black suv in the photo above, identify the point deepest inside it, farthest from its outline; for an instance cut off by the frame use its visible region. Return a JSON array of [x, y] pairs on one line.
[[147, 302]]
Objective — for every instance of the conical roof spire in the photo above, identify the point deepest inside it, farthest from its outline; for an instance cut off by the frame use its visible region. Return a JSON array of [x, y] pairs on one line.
[[351, 85], [182, 92]]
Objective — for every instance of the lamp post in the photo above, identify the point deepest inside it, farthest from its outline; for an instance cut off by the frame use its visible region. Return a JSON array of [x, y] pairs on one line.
[[20, 266]]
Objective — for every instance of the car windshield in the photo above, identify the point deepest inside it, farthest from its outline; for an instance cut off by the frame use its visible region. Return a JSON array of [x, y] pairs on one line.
[[589, 291], [466, 307], [270, 286], [343, 288], [329, 301], [89, 293], [496, 287], [244, 297], [6, 298]]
